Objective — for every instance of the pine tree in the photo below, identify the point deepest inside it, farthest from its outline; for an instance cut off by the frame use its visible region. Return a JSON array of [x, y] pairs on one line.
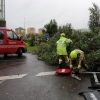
[[94, 19]]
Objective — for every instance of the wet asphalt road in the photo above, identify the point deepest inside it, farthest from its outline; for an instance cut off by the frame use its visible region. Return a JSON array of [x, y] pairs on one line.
[[32, 87]]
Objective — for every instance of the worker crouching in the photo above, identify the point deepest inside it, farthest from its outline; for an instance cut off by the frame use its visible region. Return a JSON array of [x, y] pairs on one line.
[[77, 61]]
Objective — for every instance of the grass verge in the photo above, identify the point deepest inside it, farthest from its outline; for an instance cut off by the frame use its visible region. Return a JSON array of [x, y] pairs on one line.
[[31, 48]]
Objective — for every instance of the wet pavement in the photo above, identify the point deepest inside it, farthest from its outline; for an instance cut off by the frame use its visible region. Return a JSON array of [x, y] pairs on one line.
[[32, 87]]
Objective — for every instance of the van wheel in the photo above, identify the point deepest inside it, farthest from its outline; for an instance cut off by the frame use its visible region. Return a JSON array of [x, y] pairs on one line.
[[19, 52]]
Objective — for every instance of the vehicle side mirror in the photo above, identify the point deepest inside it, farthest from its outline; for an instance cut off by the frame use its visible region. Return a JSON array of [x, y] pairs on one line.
[[19, 38]]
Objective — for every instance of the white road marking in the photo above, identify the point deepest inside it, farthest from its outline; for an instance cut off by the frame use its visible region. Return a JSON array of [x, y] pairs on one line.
[[3, 78], [2, 81], [63, 70], [46, 73]]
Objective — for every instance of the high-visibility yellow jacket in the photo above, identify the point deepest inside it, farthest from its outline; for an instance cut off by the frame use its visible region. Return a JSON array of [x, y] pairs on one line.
[[61, 46]]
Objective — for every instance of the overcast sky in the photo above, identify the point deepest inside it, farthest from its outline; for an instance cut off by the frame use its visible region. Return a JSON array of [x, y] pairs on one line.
[[37, 13]]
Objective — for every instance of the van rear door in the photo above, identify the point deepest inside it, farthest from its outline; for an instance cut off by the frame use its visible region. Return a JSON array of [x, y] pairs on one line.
[[2, 42]]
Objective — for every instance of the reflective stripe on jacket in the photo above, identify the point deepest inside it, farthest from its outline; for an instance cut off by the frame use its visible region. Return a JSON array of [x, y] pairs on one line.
[[80, 52]]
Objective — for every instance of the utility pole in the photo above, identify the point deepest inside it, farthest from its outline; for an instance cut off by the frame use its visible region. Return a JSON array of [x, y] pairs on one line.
[[24, 26], [2, 13]]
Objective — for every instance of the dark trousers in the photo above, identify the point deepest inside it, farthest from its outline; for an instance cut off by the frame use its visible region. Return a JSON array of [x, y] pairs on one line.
[[64, 63]]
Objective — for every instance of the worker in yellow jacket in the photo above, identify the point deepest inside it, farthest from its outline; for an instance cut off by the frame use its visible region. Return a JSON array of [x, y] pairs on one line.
[[62, 49]]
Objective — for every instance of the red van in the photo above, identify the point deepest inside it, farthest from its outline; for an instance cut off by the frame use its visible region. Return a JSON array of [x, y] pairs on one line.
[[11, 43]]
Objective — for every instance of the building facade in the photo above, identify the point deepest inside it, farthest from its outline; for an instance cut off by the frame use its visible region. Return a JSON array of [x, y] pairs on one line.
[[40, 30], [31, 30], [20, 31]]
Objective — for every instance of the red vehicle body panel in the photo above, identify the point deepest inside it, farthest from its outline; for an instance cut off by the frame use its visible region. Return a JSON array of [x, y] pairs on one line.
[[10, 42]]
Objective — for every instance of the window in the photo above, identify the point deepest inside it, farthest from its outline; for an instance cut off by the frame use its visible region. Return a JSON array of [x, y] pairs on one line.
[[11, 35], [15, 37], [1, 34]]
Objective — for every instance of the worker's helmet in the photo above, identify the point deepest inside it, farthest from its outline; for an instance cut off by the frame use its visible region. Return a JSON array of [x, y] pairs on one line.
[[62, 34], [73, 55]]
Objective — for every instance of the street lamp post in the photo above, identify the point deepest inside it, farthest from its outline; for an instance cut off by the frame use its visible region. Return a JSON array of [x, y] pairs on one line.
[[24, 25]]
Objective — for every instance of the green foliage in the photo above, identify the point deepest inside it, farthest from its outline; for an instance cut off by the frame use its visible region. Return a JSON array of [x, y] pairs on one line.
[[93, 59], [47, 51], [89, 42], [31, 48], [94, 19], [32, 40], [85, 47], [51, 28], [66, 29]]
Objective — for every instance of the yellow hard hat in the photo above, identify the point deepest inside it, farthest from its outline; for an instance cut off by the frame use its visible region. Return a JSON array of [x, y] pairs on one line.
[[62, 34], [73, 54]]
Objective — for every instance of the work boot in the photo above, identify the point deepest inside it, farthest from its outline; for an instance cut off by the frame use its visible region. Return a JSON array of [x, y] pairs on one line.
[[60, 61], [60, 66]]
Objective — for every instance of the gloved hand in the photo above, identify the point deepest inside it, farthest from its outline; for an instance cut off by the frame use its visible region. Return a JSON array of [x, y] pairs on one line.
[[87, 68], [70, 66], [79, 66]]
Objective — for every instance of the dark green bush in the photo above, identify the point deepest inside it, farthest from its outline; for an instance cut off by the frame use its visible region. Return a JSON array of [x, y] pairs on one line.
[[47, 51]]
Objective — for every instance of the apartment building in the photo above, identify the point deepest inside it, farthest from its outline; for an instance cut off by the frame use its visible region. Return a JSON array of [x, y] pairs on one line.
[[20, 31], [31, 30], [40, 31]]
